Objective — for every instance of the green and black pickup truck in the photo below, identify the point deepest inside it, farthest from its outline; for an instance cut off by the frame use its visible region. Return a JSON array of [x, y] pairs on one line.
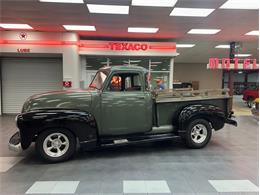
[[119, 108]]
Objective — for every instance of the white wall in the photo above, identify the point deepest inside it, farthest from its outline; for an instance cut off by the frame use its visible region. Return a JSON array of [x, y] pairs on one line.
[[208, 79]]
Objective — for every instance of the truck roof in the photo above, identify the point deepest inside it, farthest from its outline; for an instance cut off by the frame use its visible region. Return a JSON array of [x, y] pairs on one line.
[[125, 67]]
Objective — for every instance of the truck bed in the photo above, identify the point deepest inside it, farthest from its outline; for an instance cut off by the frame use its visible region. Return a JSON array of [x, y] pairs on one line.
[[169, 103]]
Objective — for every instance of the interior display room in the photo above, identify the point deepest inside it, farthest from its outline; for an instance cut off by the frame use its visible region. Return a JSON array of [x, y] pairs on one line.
[[36, 62]]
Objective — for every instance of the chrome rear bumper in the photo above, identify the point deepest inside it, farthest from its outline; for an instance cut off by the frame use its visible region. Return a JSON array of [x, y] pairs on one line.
[[15, 143]]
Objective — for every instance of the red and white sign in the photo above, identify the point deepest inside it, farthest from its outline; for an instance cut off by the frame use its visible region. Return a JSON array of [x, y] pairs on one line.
[[23, 50], [236, 63], [67, 84], [127, 48], [121, 46]]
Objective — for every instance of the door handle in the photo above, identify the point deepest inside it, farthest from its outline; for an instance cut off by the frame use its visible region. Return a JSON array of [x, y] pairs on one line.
[[141, 98]]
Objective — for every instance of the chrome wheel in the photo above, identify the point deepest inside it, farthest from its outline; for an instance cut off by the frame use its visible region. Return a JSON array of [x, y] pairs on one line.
[[56, 144], [199, 133]]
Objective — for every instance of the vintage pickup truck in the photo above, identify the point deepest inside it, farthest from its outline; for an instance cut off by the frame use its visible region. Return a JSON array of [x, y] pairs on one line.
[[118, 109]]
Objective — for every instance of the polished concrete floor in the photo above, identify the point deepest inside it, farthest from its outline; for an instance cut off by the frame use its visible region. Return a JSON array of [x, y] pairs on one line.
[[228, 165]]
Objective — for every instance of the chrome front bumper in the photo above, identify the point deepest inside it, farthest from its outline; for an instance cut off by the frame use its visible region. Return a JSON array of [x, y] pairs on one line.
[[15, 143]]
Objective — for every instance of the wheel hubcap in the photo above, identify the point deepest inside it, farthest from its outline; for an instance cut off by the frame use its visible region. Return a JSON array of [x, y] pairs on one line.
[[56, 144], [199, 133]]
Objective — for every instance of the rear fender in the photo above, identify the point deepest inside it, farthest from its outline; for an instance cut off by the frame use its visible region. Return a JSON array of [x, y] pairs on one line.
[[213, 114], [81, 123]]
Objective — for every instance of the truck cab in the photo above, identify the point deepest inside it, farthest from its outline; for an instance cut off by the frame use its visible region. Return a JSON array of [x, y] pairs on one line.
[[125, 100]]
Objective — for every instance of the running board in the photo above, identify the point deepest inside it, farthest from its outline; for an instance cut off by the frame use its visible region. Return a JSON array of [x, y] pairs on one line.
[[136, 140]]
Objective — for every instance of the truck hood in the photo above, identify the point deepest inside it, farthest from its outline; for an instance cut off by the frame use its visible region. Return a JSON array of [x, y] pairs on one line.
[[74, 99]]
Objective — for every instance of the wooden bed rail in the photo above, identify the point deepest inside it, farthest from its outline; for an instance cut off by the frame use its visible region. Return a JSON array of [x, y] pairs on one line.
[[188, 92]]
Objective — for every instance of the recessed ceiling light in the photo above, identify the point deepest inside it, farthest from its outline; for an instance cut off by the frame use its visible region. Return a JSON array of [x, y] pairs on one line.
[[62, 1], [204, 31], [184, 45], [191, 12], [15, 26], [154, 3], [240, 4], [253, 32], [79, 27], [242, 55], [142, 30], [108, 9], [223, 46]]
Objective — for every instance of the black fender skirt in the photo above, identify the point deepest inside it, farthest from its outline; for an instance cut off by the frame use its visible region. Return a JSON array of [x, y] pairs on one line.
[[81, 123], [213, 114]]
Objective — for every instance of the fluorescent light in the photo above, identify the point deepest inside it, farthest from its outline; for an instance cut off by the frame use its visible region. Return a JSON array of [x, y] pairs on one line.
[[223, 46], [242, 55], [62, 1], [240, 4], [15, 26], [79, 27], [154, 3], [108, 9], [191, 12], [184, 45], [253, 32], [142, 30], [204, 31]]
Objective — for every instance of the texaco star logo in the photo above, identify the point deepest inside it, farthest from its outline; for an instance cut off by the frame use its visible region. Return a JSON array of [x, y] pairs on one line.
[[23, 35]]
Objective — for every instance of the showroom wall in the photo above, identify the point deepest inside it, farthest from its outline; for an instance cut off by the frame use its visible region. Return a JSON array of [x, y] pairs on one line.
[[208, 79]]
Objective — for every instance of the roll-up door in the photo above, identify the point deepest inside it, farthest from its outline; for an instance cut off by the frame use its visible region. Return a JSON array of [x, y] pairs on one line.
[[23, 77]]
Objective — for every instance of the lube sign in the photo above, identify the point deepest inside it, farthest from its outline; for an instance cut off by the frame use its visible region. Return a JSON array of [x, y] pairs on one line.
[[236, 63], [128, 46]]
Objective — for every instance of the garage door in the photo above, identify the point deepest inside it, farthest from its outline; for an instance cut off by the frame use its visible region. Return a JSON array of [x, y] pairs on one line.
[[24, 77]]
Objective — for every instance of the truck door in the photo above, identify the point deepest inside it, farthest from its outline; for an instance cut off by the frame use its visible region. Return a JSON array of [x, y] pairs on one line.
[[126, 106]]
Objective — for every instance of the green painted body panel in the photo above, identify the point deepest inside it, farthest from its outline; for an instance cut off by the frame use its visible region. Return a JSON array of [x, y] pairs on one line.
[[169, 111], [76, 99], [126, 112]]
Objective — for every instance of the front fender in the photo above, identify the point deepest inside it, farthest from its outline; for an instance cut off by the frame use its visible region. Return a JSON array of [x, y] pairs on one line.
[[81, 123], [213, 114]]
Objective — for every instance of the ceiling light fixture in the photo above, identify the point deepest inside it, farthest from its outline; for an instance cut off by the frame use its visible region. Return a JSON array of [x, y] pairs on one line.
[[154, 3], [191, 12], [62, 1], [242, 55], [253, 32], [142, 30], [108, 9], [223, 46], [241, 4], [80, 27], [185, 45], [15, 26], [204, 31]]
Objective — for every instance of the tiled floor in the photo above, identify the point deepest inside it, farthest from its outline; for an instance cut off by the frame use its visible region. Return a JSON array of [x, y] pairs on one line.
[[227, 166]]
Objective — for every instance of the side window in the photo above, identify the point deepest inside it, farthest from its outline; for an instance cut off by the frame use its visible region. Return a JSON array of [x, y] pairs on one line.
[[125, 82]]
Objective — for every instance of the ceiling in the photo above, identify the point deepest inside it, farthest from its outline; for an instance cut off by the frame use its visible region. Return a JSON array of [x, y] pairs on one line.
[[233, 24]]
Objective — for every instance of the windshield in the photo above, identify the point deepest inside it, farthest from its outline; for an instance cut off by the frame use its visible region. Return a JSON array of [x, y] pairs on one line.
[[98, 80]]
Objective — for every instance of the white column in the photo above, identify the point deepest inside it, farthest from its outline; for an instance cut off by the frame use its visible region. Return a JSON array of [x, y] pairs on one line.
[[71, 65], [171, 73]]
